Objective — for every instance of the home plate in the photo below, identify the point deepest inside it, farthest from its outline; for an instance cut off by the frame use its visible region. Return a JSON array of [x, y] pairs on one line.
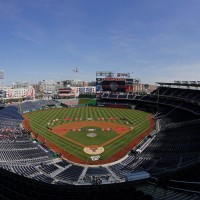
[[93, 150]]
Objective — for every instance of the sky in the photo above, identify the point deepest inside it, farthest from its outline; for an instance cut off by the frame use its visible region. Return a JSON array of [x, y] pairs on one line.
[[154, 40]]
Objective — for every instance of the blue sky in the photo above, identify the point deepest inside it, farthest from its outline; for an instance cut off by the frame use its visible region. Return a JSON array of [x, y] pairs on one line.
[[157, 40]]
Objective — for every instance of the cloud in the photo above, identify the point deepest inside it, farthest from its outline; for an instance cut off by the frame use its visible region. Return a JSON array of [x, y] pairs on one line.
[[169, 73]]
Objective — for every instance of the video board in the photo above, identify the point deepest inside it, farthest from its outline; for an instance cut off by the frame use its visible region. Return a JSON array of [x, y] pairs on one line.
[[99, 85], [113, 84], [129, 81]]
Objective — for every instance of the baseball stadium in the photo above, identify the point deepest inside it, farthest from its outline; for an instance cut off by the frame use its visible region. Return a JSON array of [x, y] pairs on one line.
[[99, 100], [114, 143]]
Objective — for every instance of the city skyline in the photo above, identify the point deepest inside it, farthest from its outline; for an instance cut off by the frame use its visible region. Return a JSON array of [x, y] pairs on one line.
[[46, 40]]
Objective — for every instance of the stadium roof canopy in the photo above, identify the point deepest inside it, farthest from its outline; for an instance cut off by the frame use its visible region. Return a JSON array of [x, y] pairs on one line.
[[187, 84]]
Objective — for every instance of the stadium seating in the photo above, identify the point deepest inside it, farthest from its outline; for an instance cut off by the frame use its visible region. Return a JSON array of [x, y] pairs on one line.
[[68, 102], [186, 99], [11, 112], [28, 106], [175, 145], [122, 96]]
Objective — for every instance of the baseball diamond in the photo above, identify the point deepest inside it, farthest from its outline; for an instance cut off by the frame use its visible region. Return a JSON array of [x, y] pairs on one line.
[[117, 131]]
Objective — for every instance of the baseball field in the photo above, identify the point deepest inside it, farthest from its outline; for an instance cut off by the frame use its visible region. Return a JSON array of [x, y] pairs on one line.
[[90, 135]]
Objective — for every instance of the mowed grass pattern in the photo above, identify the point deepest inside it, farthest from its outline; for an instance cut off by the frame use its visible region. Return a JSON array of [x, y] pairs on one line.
[[100, 138], [40, 119]]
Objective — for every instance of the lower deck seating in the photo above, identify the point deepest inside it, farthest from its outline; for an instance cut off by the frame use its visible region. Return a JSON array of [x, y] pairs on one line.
[[71, 174]]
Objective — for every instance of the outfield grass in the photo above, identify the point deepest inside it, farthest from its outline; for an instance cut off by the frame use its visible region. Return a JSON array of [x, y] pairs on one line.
[[39, 122], [87, 101]]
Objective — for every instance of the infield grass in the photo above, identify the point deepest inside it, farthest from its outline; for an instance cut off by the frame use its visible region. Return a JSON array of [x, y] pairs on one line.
[[100, 138]]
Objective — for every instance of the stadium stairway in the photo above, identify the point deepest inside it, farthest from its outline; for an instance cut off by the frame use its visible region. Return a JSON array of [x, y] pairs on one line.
[[59, 170], [82, 175], [159, 193], [114, 176]]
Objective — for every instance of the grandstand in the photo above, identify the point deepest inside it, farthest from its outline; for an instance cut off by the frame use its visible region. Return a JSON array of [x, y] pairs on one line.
[[29, 106], [68, 102], [170, 154]]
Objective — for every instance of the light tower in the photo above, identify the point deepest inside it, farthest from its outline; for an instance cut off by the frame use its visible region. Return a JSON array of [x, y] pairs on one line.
[[76, 71]]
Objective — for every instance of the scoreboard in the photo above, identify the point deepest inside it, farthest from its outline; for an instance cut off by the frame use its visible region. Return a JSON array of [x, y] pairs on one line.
[[108, 82], [114, 84]]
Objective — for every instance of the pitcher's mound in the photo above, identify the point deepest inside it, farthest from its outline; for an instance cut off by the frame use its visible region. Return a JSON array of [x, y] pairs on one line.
[[91, 134], [93, 150]]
